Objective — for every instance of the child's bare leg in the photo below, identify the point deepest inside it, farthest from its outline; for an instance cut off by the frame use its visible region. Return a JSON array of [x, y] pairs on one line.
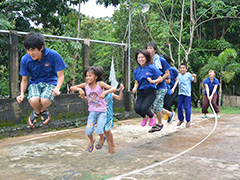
[[109, 138], [91, 140], [101, 138], [159, 116], [169, 113]]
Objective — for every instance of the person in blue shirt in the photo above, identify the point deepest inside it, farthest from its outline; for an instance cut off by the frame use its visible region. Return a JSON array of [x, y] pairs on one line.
[[172, 83], [45, 69], [210, 94], [184, 94], [163, 66], [146, 77], [109, 123]]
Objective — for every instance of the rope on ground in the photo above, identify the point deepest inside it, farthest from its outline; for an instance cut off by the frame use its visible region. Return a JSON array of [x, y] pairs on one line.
[[171, 158]]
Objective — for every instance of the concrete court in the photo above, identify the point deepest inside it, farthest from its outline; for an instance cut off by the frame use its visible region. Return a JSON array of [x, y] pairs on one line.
[[62, 155]]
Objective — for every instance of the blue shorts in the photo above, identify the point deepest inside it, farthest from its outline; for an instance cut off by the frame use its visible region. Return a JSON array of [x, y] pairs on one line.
[[93, 118], [109, 124], [41, 90]]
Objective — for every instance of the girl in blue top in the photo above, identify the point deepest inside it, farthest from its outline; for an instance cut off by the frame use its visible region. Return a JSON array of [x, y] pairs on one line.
[[210, 93], [147, 76]]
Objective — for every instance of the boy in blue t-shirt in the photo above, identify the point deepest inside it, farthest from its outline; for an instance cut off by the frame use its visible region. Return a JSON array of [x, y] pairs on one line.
[[45, 69], [184, 94]]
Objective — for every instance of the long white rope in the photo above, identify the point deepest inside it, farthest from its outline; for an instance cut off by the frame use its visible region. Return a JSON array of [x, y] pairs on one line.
[[171, 158]]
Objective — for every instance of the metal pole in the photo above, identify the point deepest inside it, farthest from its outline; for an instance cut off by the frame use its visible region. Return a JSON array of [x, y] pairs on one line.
[[68, 38], [129, 48]]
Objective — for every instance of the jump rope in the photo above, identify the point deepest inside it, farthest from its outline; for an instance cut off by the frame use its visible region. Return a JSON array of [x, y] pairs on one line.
[[169, 159]]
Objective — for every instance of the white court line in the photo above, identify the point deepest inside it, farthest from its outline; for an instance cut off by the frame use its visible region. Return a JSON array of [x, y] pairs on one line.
[[45, 135], [169, 159], [48, 134]]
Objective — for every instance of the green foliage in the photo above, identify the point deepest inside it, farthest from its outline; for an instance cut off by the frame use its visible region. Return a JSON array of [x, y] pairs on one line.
[[4, 83], [223, 110], [115, 119], [217, 28]]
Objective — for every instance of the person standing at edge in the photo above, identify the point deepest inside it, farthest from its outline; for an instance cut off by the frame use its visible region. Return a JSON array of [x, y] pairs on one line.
[[210, 94], [45, 69]]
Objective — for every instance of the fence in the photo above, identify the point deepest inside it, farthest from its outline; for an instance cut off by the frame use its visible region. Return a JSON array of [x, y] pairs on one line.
[[231, 101], [117, 50]]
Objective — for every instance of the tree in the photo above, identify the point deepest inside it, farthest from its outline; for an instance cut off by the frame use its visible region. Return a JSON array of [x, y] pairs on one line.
[[41, 12], [226, 67]]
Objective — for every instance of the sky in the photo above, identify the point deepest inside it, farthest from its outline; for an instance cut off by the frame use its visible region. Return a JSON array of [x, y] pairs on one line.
[[91, 9]]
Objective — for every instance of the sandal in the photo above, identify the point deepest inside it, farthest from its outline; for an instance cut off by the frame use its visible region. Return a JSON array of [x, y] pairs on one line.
[[98, 146], [188, 125], [179, 123], [90, 148], [157, 127], [45, 116], [32, 119]]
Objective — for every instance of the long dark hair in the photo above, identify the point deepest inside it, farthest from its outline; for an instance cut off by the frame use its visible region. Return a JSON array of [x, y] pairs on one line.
[[146, 55], [98, 71]]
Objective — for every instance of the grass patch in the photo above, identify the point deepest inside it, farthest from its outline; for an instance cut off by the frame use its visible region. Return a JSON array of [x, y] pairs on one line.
[[223, 110], [6, 124], [119, 109]]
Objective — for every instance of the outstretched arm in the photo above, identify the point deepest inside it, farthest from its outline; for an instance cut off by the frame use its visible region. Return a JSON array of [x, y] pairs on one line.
[[175, 85], [134, 90], [120, 96], [79, 88], [156, 81], [109, 89], [56, 90], [23, 88], [195, 78]]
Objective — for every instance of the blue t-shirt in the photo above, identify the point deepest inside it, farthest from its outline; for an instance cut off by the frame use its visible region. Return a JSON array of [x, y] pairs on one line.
[[163, 66], [210, 85], [184, 82], [109, 104], [44, 70], [142, 73], [173, 76]]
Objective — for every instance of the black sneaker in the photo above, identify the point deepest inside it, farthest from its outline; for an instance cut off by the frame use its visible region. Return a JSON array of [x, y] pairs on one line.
[[170, 118]]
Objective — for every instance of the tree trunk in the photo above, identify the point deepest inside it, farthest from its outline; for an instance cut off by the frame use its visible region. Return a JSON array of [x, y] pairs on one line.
[[180, 35], [192, 27], [73, 80]]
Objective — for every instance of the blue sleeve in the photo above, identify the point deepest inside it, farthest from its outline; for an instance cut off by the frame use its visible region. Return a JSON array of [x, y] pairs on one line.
[[23, 68], [135, 78], [165, 64], [205, 81], [217, 81], [175, 73], [190, 77], [156, 72], [59, 63]]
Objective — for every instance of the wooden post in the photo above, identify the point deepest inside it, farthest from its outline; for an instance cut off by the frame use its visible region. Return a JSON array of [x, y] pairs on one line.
[[128, 98], [85, 53], [125, 69], [13, 65]]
